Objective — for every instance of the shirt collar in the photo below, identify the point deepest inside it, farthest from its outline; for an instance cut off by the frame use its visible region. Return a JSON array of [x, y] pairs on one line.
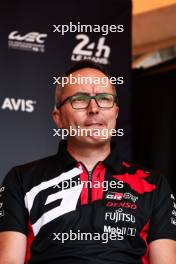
[[66, 160]]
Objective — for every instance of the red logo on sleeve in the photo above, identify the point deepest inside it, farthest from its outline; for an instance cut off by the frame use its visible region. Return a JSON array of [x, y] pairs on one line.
[[137, 181]]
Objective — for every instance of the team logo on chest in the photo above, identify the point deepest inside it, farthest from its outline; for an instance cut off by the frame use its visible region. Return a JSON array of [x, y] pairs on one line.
[[69, 198], [119, 196]]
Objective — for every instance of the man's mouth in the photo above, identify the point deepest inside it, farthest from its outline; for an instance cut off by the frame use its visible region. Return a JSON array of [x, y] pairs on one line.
[[94, 124]]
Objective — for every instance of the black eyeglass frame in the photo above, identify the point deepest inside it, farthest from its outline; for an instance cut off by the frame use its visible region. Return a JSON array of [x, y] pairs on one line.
[[58, 106]]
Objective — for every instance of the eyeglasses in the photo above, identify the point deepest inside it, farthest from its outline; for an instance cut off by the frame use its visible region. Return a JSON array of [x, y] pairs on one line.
[[82, 101]]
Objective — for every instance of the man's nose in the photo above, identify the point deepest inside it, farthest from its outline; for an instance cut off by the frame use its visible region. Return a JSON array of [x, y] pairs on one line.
[[93, 107]]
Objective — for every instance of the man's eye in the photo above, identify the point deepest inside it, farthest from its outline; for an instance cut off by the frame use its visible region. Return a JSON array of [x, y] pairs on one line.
[[104, 97], [79, 98]]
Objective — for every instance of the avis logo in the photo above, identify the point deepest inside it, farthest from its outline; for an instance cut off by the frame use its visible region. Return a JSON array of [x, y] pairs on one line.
[[18, 105], [85, 49], [32, 41]]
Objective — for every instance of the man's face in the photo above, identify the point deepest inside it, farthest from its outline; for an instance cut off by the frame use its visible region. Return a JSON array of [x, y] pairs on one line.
[[92, 118]]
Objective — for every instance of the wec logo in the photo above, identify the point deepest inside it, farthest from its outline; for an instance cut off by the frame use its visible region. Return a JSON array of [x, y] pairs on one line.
[[86, 49], [32, 41], [18, 105], [29, 37]]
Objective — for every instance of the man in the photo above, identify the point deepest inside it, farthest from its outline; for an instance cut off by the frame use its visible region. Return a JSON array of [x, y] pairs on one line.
[[52, 216]]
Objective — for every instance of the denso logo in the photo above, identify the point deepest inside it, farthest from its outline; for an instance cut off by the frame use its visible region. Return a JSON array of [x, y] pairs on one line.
[[29, 37], [18, 105], [122, 205]]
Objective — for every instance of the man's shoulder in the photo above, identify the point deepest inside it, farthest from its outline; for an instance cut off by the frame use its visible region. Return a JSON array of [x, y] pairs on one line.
[[35, 169], [38, 164], [141, 171], [132, 165], [33, 173]]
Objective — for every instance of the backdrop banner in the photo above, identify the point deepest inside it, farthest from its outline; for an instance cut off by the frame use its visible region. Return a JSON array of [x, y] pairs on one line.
[[39, 41]]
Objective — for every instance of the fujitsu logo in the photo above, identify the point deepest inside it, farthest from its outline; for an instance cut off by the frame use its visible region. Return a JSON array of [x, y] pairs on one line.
[[13, 104], [29, 37]]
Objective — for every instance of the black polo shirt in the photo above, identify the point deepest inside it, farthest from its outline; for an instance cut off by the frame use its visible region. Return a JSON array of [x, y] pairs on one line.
[[71, 216]]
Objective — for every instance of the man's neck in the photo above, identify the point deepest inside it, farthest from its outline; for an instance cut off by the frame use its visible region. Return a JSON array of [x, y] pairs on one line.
[[89, 155]]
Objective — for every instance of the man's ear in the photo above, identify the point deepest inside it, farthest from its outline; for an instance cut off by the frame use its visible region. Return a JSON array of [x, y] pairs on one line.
[[117, 111], [56, 115]]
